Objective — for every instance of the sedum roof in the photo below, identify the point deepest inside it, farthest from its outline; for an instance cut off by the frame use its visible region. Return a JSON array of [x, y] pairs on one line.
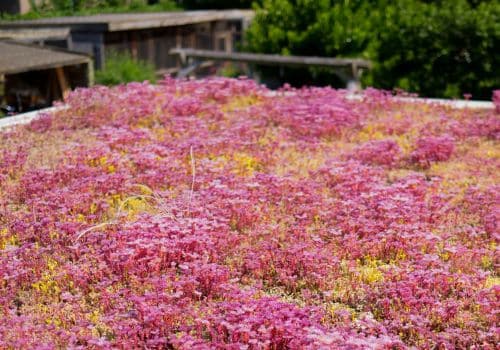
[[126, 21]]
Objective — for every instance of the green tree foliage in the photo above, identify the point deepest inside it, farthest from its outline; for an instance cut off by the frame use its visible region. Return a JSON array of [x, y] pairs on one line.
[[443, 48], [121, 68], [310, 28], [434, 48], [319, 27]]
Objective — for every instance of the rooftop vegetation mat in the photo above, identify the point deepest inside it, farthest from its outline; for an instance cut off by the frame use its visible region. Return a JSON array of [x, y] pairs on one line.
[[215, 214]]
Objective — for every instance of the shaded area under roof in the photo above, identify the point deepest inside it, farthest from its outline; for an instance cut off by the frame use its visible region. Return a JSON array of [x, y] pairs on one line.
[[18, 58], [125, 21]]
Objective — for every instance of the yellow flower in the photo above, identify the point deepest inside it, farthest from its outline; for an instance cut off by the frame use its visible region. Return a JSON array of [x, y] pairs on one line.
[[492, 282], [369, 272], [6, 239], [245, 164]]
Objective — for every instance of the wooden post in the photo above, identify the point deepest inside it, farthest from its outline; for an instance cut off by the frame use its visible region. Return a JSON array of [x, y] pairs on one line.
[[354, 83], [151, 48], [192, 39], [89, 73], [2, 88], [62, 82], [133, 45], [178, 38]]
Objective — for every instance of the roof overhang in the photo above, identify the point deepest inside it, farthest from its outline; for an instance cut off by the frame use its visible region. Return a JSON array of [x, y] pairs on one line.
[[20, 57]]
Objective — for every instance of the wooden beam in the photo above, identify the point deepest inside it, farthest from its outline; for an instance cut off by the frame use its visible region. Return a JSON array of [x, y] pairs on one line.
[[2, 89], [266, 59]]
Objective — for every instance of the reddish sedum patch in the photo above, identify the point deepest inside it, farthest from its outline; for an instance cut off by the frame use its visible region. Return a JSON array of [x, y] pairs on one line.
[[380, 152], [432, 149]]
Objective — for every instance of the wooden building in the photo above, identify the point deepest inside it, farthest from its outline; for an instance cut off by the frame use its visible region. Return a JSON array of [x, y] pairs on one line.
[[146, 36], [32, 77]]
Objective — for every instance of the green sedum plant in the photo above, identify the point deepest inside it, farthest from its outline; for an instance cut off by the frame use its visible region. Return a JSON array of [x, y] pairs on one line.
[[56, 8]]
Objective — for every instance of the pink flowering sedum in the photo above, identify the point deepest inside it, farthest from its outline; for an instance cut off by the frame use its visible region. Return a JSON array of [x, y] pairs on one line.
[[216, 214], [496, 99], [380, 152], [432, 149]]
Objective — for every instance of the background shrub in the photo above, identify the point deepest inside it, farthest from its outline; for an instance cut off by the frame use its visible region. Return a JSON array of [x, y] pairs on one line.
[[440, 48], [121, 68], [443, 48]]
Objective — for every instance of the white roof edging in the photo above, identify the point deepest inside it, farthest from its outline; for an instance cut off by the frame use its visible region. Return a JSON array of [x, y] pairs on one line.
[[25, 118], [473, 104]]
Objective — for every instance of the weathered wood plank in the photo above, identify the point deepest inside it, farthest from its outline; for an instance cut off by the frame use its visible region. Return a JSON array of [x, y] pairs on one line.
[[267, 59]]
